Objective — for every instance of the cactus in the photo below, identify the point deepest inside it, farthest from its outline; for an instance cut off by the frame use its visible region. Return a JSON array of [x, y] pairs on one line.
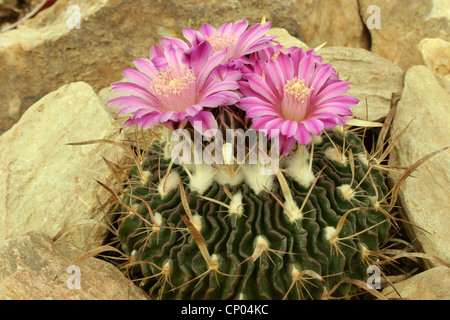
[[210, 234], [302, 222]]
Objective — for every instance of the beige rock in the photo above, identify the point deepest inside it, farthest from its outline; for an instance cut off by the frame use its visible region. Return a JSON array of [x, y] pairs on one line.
[[436, 56], [336, 22], [425, 197], [374, 79], [49, 50], [49, 186], [403, 24], [433, 284], [286, 39], [33, 267]]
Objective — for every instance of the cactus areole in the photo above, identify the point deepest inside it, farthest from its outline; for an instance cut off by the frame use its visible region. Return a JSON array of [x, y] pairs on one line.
[[256, 190]]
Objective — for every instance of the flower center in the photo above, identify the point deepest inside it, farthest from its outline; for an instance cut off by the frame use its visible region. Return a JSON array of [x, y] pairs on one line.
[[221, 41], [172, 81], [297, 90], [175, 88], [294, 105]]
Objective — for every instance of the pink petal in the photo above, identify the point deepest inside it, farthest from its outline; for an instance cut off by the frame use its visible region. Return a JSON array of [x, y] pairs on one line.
[[134, 90], [286, 144], [206, 119], [130, 101], [258, 85], [136, 77], [331, 91], [189, 34], [215, 86], [315, 126], [146, 67], [220, 99], [247, 103], [302, 135], [260, 123], [250, 36], [289, 128], [306, 69], [274, 124], [207, 30], [259, 111], [239, 27], [175, 42], [321, 75]]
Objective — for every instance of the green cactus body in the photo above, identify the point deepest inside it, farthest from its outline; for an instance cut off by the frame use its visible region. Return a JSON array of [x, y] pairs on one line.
[[258, 247]]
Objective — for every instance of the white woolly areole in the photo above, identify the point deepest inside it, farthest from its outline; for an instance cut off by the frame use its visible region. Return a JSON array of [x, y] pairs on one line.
[[374, 201], [134, 208], [317, 139], [169, 183], [363, 159], [235, 206], [256, 179], [329, 232], [167, 151], [145, 176], [202, 178], [347, 192], [261, 245], [232, 178], [295, 272], [197, 222], [293, 211], [333, 154], [166, 267], [299, 169], [339, 129], [158, 222], [214, 265]]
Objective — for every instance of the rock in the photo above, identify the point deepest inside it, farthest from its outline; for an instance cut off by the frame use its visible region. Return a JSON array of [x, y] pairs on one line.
[[33, 267], [50, 50], [424, 197], [286, 39], [436, 56], [49, 186], [374, 79], [433, 284], [336, 22], [403, 24]]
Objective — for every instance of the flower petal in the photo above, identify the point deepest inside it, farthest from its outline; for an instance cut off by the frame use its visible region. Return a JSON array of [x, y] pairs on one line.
[[302, 135], [315, 126], [258, 85], [202, 121], [137, 77], [289, 128]]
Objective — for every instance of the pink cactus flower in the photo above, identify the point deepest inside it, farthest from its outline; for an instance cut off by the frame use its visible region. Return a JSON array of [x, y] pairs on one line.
[[296, 94], [177, 84], [236, 38]]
